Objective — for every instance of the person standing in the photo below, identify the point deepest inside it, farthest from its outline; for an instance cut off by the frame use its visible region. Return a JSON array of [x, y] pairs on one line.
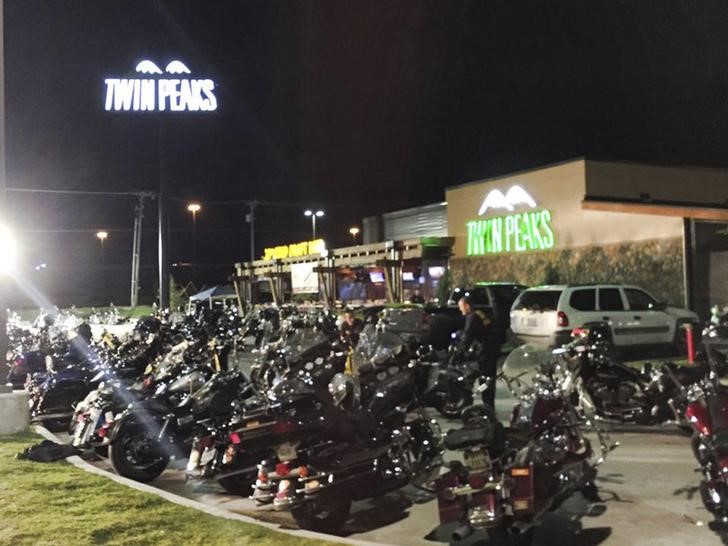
[[478, 328], [351, 327]]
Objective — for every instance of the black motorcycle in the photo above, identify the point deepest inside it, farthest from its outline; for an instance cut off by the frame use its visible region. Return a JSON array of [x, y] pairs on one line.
[[149, 433], [611, 391], [374, 438]]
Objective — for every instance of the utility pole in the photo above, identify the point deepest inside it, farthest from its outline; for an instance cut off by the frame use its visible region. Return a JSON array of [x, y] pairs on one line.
[[137, 247], [251, 221], [163, 227]]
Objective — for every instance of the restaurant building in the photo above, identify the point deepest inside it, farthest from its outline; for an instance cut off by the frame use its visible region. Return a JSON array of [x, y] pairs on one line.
[[585, 221]]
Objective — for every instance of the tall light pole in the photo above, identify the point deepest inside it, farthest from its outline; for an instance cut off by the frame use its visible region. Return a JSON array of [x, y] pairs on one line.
[[101, 236], [194, 208], [354, 232], [313, 215]]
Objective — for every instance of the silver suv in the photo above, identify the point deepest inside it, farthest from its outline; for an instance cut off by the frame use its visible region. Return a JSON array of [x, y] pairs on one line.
[[547, 314]]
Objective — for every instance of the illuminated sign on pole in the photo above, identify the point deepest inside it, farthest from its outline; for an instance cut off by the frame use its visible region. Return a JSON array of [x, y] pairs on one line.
[[160, 94], [295, 250], [519, 232]]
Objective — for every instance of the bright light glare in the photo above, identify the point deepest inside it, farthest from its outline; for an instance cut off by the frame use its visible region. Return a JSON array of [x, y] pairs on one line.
[[354, 231], [102, 235], [8, 250], [308, 213], [194, 207], [319, 213]]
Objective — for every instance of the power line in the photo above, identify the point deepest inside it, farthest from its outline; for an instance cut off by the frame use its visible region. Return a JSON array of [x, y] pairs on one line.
[[84, 192]]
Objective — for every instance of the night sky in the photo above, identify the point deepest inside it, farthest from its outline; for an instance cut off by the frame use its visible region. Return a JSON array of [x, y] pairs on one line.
[[357, 107]]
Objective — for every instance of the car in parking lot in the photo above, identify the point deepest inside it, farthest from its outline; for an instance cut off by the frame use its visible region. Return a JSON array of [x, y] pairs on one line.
[[547, 315]]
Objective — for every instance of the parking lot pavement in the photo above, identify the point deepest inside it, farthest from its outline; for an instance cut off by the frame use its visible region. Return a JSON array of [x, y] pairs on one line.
[[648, 486]]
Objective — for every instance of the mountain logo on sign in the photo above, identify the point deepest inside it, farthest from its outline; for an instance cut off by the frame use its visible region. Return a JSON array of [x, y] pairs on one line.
[[151, 94], [515, 196]]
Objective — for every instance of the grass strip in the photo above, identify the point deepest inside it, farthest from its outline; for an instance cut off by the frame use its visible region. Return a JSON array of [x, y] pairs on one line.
[[58, 504]]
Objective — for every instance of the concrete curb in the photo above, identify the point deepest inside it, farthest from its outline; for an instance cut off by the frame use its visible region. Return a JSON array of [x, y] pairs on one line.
[[189, 503]]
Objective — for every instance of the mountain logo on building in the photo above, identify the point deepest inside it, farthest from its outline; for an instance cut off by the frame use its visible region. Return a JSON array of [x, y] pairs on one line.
[[146, 92], [515, 196]]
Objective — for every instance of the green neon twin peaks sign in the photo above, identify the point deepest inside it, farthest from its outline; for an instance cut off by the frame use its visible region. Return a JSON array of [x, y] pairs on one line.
[[518, 232]]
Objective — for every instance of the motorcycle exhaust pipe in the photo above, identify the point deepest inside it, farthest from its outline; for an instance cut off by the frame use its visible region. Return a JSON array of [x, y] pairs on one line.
[[519, 528], [47, 416], [462, 532]]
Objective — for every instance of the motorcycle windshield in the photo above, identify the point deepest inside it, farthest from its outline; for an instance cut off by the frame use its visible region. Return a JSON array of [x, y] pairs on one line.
[[376, 347], [523, 364], [303, 343]]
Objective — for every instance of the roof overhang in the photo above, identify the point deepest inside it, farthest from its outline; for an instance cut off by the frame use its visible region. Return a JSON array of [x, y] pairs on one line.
[[697, 211]]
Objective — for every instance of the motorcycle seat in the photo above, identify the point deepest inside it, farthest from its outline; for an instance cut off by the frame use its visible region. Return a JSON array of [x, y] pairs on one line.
[[485, 435], [355, 456], [689, 375]]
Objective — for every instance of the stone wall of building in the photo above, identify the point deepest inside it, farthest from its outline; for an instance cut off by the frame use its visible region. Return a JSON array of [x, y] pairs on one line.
[[655, 265]]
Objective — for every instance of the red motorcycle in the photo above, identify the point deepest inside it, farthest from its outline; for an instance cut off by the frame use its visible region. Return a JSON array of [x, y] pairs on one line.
[[511, 476], [707, 412]]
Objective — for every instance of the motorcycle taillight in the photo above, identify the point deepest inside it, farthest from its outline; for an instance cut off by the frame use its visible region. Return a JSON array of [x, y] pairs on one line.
[[18, 361], [235, 438], [282, 469], [522, 490]]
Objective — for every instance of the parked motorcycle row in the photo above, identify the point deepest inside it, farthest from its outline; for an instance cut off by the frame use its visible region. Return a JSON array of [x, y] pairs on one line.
[[311, 423]]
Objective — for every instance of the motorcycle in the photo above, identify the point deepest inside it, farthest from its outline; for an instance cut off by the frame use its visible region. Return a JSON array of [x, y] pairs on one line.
[[376, 437], [448, 386], [512, 476], [148, 434], [610, 391], [707, 412]]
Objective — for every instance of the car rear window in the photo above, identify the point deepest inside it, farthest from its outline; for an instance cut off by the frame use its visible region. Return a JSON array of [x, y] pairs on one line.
[[539, 300], [478, 296], [584, 299]]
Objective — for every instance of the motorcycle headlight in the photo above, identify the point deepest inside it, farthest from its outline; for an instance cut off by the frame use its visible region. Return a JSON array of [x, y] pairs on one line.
[[49, 363], [9, 355]]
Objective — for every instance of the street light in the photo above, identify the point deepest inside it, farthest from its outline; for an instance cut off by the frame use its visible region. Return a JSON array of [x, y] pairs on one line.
[[313, 215], [354, 232], [101, 236], [194, 208]]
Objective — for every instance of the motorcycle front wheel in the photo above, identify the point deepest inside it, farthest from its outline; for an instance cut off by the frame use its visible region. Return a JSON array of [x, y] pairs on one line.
[[325, 514], [137, 454]]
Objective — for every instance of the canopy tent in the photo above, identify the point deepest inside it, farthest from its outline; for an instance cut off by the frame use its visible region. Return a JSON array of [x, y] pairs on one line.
[[216, 293]]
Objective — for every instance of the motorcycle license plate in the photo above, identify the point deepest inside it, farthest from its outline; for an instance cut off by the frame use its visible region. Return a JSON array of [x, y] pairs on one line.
[[477, 459]]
